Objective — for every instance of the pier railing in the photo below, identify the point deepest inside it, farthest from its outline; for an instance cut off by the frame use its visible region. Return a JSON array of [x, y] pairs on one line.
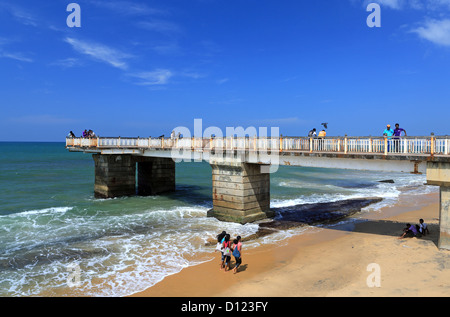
[[431, 145]]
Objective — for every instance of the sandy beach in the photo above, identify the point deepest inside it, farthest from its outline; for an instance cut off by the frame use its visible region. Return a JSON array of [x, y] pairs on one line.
[[332, 262]]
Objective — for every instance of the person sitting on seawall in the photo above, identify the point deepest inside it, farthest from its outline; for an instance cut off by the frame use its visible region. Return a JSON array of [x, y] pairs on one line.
[[423, 228], [410, 231]]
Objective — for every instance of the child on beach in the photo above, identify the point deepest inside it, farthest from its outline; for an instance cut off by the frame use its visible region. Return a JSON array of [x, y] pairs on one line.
[[226, 253], [237, 252], [219, 247]]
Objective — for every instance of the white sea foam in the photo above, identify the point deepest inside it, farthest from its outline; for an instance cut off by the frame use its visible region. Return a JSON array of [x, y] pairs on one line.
[[121, 252], [51, 210]]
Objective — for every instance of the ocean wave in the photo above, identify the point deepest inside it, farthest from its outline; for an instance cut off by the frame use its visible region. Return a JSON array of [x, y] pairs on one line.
[[51, 210]]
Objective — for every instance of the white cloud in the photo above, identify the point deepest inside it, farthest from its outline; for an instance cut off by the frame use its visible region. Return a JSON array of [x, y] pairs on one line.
[[100, 52], [435, 31], [20, 14], [16, 56], [67, 62], [156, 77], [392, 4], [431, 5], [222, 81], [12, 55]]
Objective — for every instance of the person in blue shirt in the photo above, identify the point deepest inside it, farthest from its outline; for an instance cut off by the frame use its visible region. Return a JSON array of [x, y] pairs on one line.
[[389, 133], [398, 131], [397, 134]]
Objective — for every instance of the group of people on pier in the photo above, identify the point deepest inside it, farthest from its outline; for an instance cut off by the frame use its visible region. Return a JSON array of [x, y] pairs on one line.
[[86, 134]]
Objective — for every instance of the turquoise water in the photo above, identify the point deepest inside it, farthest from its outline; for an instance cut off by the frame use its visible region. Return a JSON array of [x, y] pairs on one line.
[[50, 221]]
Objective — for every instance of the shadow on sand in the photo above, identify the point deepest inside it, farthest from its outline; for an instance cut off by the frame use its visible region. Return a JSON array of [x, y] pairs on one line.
[[331, 216]]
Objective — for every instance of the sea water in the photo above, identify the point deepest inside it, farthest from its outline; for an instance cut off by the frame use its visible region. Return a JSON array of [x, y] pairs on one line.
[[56, 239]]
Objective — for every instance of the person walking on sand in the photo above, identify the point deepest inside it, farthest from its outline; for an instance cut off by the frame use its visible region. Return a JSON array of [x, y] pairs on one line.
[[237, 252], [219, 247], [226, 253]]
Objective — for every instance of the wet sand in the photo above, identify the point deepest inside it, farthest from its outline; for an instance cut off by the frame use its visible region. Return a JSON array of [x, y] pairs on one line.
[[332, 262]]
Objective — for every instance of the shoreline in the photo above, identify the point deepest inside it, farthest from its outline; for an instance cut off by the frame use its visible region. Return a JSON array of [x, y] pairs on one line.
[[332, 262]]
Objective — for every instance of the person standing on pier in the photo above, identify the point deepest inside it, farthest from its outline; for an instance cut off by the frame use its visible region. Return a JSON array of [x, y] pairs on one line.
[[397, 134], [388, 132], [322, 135]]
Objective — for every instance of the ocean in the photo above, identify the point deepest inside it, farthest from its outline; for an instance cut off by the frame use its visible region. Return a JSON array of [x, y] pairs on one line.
[[58, 240]]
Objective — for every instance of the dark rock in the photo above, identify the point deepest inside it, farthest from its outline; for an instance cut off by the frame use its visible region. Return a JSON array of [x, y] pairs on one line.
[[390, 181], [308, 215]]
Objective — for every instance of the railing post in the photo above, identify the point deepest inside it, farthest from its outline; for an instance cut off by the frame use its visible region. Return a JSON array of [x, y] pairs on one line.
[[405, 146], [385, 146], [281, 143], [432, 144], [345, 144], [310, 145], [446, 147], [370, 145], [118, 142]]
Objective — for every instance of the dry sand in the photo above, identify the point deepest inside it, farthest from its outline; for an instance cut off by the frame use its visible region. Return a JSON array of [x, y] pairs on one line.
[[332, 262]]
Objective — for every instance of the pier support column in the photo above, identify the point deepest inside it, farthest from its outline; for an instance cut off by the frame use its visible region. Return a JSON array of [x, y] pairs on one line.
[[241, 193], [438, 173], [115, 175], [156, 175]]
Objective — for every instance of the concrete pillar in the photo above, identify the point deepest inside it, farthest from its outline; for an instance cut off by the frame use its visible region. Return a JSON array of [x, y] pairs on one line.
[[115, 175], [438, 173], [241, 193], [156, 175]]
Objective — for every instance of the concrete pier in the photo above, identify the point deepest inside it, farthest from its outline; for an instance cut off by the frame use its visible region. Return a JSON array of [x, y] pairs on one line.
[[438, 173], [115, 176], [156, 175], [241, 192]]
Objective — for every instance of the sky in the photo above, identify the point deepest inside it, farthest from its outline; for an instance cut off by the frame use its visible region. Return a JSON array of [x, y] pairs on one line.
[[142, 68]]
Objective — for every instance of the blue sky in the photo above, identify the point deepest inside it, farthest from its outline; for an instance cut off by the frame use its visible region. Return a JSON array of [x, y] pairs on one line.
[[142, 68]]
